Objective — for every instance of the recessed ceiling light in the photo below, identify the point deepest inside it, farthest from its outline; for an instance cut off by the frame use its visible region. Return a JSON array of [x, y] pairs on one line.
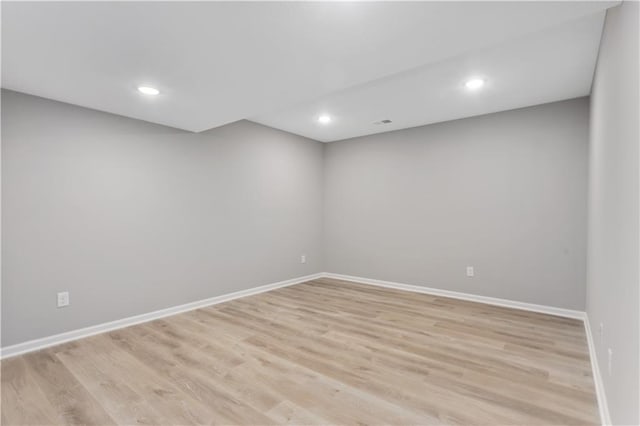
[[148, 90], [324, 119], [474, 83]]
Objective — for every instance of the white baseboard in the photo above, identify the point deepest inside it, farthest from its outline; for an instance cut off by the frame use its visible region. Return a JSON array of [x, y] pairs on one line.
[[33, 345], [605, 418], [551, 310]]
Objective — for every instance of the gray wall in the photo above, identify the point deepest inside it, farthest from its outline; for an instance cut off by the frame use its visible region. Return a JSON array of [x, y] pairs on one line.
[[613, 278], [131, 217], [505, 193]]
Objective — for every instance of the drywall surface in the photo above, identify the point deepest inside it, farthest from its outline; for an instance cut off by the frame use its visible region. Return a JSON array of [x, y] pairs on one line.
[[504, 193], [131, 217], [613, 278]]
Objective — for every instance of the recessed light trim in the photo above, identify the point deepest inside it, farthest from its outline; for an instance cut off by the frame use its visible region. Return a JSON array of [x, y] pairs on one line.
[[474, 83], [324, 119], [148, 90]]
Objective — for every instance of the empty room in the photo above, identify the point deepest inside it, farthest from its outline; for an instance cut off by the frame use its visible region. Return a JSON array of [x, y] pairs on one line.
[[320, 213]]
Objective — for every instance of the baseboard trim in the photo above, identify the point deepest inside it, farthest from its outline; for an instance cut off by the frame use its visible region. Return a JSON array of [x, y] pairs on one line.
[[603, 407], [551, 310], [36, 344]]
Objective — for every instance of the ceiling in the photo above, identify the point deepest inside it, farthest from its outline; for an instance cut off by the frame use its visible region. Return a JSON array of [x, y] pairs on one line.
[[550, 65], [284, 63]]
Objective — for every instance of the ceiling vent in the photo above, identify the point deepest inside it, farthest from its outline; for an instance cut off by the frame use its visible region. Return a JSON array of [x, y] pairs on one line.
[[382, 122]]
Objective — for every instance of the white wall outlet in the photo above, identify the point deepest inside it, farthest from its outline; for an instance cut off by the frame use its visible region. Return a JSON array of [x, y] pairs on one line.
[[601, 331], [63, 299], [610, 363], [470, 272], [303, 258]]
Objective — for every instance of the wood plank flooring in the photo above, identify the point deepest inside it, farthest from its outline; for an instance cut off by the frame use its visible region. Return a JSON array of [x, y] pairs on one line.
[[322, 352]]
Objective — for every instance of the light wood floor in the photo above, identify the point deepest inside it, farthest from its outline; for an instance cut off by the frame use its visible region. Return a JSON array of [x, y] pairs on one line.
[[322, 352]]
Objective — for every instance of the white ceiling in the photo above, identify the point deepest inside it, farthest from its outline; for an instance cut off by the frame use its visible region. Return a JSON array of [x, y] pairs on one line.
[[283, 63], [550, 65]]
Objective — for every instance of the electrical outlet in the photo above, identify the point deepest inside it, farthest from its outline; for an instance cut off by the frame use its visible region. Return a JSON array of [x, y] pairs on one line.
[[63, 299], [601, 331], [303, 258], [470, 271], [610, 363]]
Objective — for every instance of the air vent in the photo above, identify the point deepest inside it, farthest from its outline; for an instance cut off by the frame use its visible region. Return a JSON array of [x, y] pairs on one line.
[[382, 122]]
